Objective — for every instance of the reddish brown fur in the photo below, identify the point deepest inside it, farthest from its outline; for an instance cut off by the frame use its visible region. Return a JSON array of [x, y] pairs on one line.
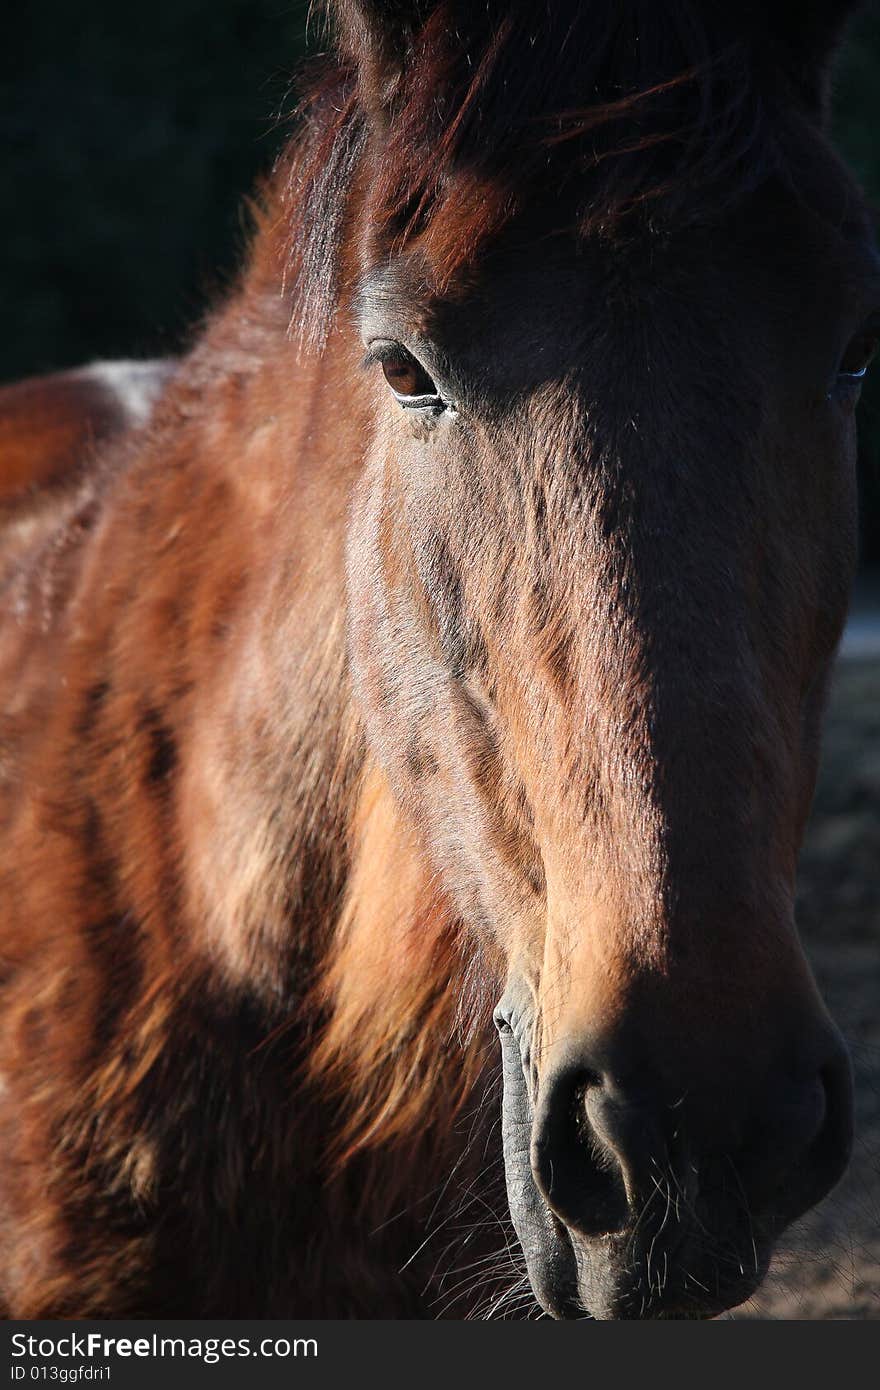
[[244, 1028], [49, 425]]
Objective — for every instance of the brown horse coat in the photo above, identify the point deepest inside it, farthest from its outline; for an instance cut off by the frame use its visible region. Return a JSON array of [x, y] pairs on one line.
[[248, 964]]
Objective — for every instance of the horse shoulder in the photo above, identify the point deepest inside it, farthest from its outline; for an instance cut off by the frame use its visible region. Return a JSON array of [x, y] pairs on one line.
[[50, 425]]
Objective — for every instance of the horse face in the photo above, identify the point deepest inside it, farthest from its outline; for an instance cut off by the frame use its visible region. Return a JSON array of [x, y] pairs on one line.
[[598, 571]]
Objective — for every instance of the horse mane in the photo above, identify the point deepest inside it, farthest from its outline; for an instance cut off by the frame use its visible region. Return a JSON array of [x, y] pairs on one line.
[[401, 989], [660, 115]]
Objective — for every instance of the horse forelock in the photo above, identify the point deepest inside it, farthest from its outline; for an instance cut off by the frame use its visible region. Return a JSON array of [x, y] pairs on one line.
[[616, 120]]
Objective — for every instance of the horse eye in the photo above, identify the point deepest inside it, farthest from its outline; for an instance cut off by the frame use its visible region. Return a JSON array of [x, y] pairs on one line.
[[859, 355], [406, 377]]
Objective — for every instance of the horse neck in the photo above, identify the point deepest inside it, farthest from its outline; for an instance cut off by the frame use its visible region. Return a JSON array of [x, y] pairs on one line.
[[226, 535]]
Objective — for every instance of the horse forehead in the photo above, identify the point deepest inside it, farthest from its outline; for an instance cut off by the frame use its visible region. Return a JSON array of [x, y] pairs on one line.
[[543, 287], [530, 315]]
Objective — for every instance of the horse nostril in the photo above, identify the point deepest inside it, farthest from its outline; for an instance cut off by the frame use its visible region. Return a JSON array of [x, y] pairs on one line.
[[578, 1174], [833, 1145], [830, 1145], [801, 1150], [613, 1154]]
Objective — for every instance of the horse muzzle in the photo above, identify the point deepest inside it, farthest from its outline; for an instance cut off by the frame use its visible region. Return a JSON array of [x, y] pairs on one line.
[[633, 1198]]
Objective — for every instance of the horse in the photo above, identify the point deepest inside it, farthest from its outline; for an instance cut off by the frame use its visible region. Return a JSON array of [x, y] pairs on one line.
[[443, 653]]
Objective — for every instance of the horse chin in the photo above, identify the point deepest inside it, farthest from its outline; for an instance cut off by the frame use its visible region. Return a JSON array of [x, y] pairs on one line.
[[595, 1279]]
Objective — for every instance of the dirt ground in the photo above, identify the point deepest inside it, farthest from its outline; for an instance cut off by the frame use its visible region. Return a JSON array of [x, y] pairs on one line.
[[830, 1265]]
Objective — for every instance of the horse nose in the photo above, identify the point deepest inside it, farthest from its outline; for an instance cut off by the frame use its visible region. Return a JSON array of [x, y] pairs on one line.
[[595, 1142], [798, 1148], [606, 1141]]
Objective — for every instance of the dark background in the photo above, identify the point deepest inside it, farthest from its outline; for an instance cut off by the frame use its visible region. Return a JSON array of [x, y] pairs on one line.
[[131, 135]]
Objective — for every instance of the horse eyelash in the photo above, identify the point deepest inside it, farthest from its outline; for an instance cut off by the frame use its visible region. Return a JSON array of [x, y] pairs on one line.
[[384, 351]]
